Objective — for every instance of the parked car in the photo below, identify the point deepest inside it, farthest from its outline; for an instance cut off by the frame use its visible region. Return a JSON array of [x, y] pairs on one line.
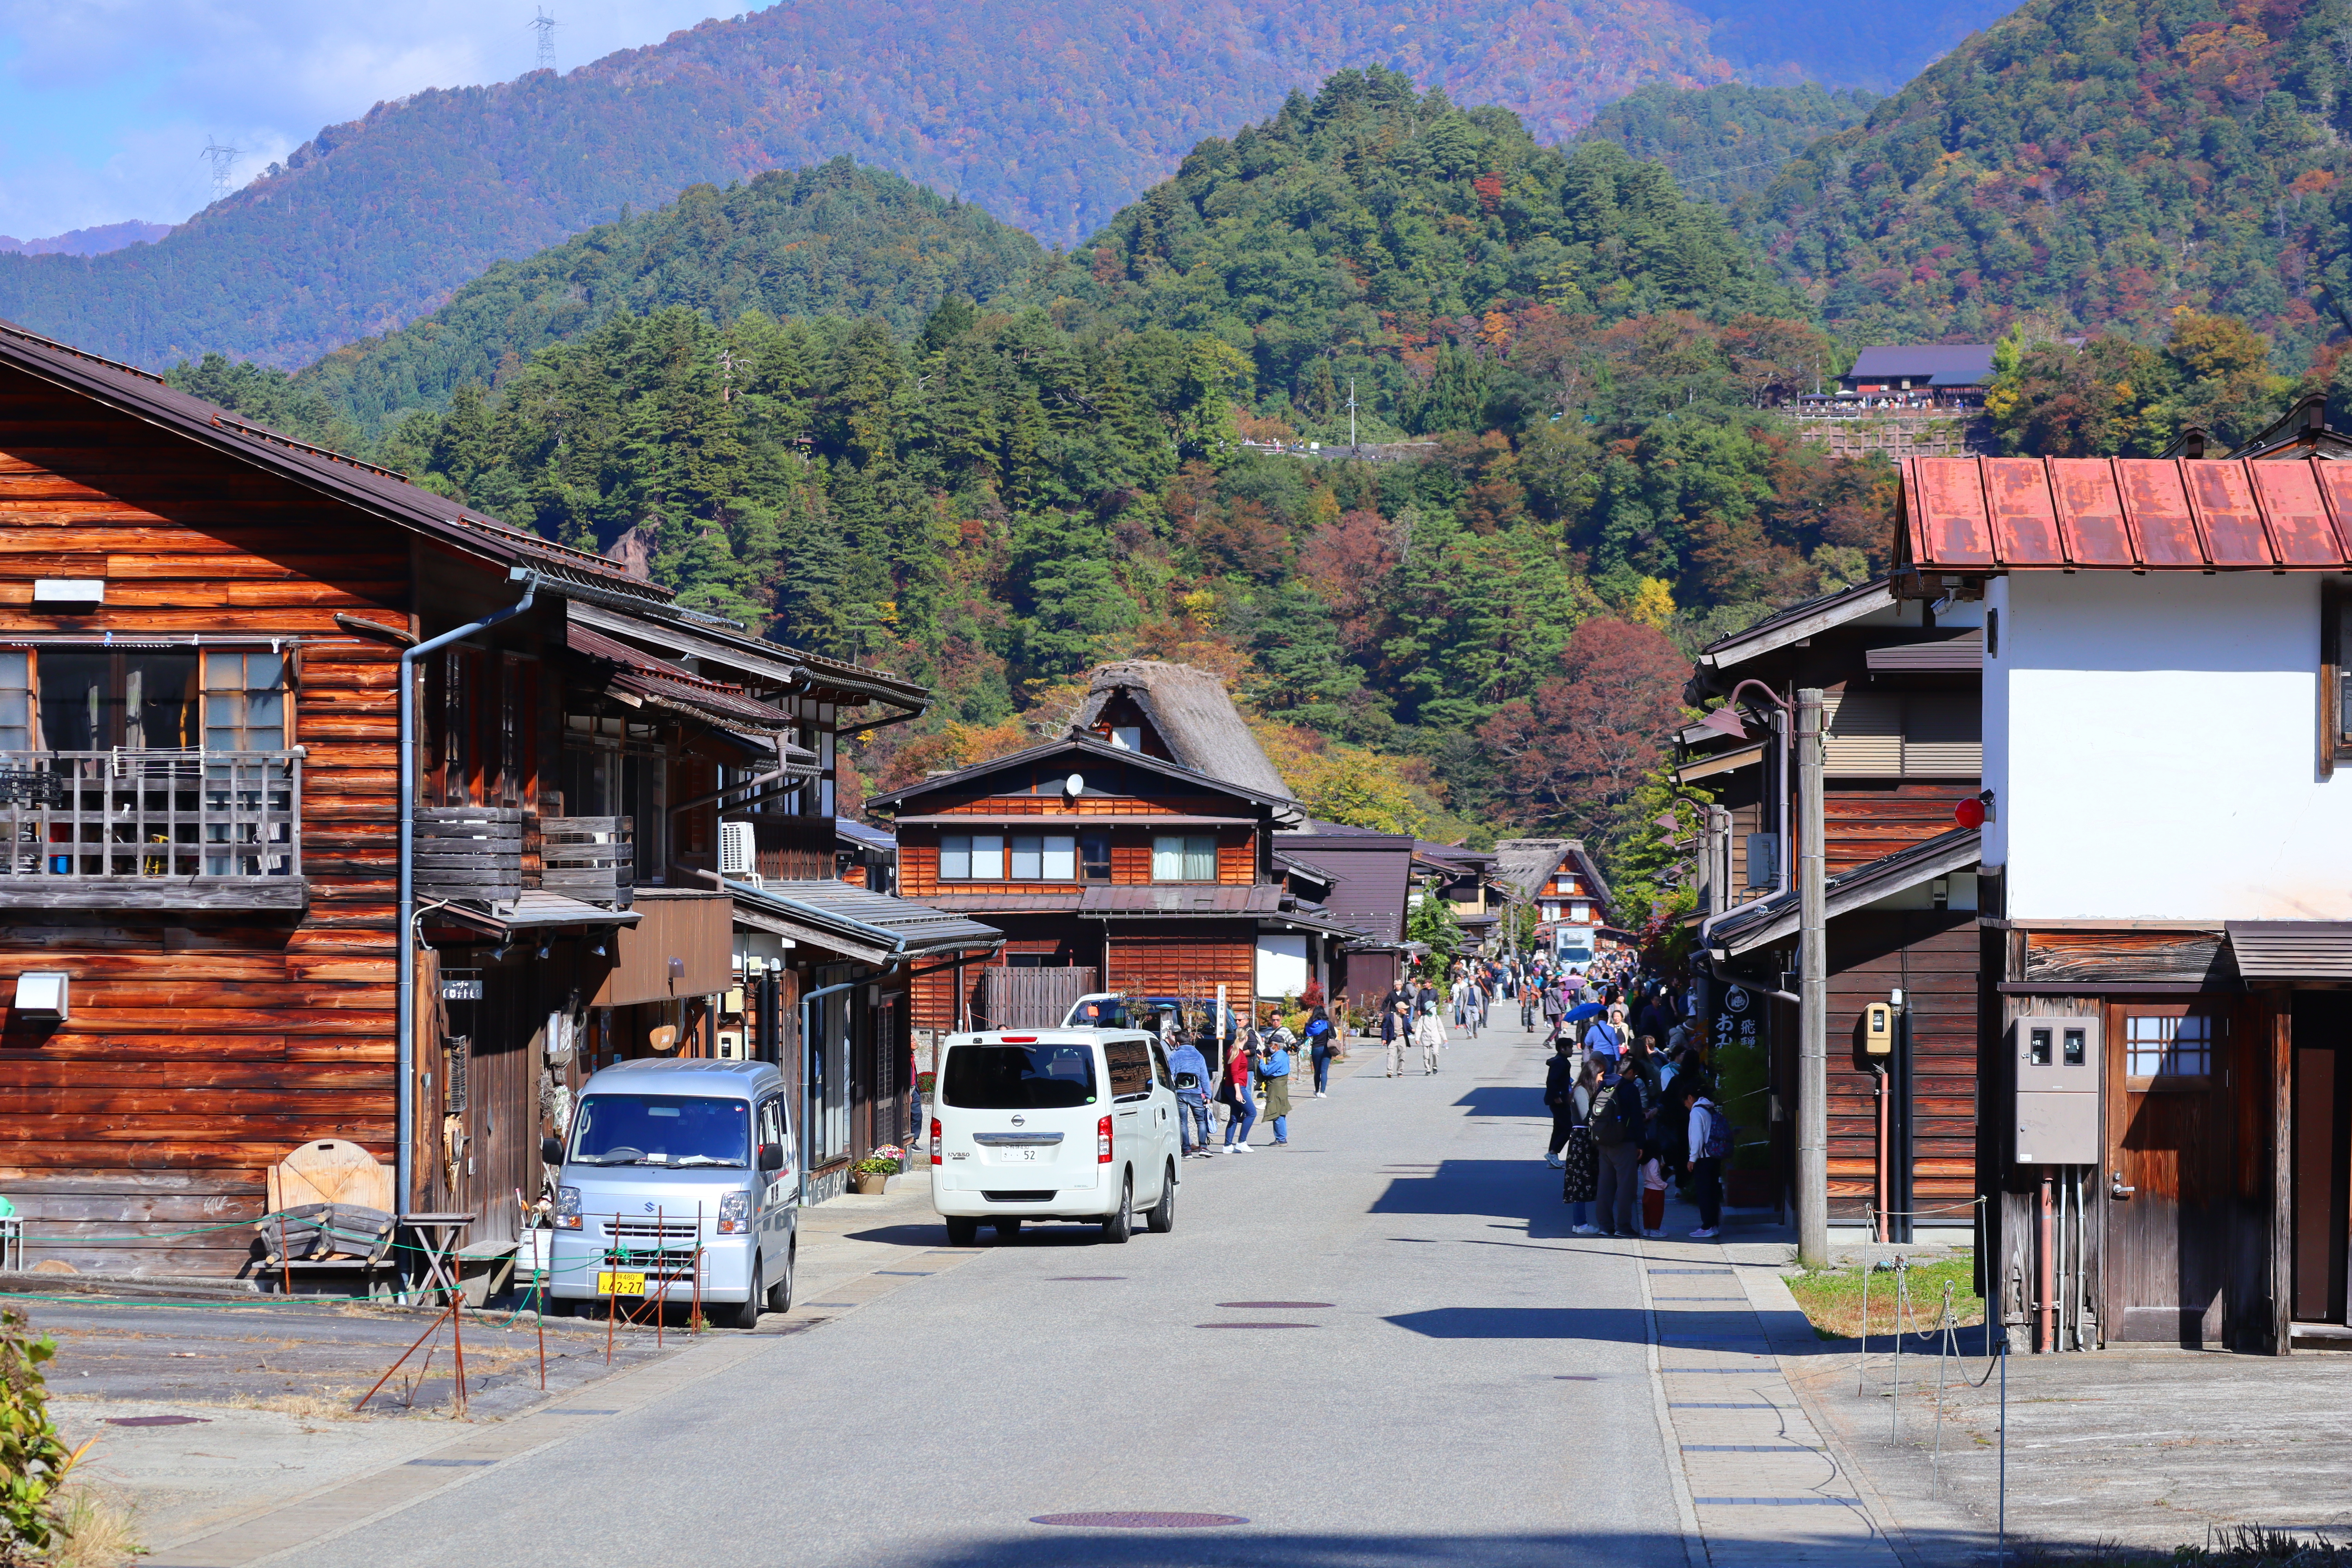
[[669, 1159], [1077, 1124], [1125, 1010]]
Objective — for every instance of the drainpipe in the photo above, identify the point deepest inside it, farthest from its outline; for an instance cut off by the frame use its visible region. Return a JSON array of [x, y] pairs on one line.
[[404, 1014]]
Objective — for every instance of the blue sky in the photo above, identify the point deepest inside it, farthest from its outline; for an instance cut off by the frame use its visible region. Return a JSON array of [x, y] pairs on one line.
[[106, 105]]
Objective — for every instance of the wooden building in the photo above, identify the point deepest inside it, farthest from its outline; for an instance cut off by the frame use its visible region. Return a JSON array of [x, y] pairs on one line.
[[1559, 881], [1903, 749], [2167, 855], [203, 627], [1371, 890]]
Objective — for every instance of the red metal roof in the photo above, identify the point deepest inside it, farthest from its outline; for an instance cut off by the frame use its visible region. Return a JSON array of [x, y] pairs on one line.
[[2140, 514]]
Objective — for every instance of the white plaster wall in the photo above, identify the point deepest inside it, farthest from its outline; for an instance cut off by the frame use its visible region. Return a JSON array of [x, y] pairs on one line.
[[2152, 742]]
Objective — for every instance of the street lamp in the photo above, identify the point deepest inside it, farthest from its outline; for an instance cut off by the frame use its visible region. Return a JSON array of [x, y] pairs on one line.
[[1812, 957]]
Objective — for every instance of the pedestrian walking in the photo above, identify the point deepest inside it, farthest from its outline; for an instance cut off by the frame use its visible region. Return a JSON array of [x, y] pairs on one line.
[[1273, 1077], [1187, 1070], [1602, 1039], [1580, 1159], [1429, 1033], [1560, 1095], [1617, 1122], [1710, 1145], [1241, 1108], [1396, 1029], [1320, 1040]]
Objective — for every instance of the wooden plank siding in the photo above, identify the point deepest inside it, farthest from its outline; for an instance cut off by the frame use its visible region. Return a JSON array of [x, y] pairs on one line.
[[1862, 822], [1931, 955], [202, 1047], [1194, 963], [1131, 861]]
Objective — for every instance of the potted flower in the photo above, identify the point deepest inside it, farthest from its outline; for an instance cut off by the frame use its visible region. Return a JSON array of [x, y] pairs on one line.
[[873, 1174]]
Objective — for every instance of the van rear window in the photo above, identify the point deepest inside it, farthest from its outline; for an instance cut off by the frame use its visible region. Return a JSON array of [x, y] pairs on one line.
[[1019, 1077]]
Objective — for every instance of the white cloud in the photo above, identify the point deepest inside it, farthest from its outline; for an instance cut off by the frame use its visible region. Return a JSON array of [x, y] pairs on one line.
[[105, 105]]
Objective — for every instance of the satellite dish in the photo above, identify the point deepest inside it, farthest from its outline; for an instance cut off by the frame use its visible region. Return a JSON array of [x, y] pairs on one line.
[[1075, 784]]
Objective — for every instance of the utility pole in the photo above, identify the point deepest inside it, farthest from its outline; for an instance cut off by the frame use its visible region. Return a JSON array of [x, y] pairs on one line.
[[1351, 415], [1813, 996], [224, 162], [544, 25]]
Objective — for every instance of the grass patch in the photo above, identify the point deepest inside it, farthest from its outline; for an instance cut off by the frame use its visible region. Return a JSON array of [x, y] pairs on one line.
[[97, 1529], [2242, 1546], [1831, 1298]]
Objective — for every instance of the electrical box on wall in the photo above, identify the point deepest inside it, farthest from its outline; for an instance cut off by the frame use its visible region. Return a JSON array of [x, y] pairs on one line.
[[2057, 1062], [1878, 1029], [730, 1045]]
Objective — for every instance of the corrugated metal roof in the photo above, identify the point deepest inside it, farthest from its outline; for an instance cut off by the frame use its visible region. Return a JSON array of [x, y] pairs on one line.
[[667, 685], [538, 910], [865, 921], [1768, 920], [2140, 514], [1183, 898], [1007, 903], [2292, 950], [862, 833]]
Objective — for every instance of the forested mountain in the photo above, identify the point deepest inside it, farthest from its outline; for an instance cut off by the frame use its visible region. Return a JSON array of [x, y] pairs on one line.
[[1051, 117], [1475, 640], [1728, 140], [832, 241], [2089, 164]]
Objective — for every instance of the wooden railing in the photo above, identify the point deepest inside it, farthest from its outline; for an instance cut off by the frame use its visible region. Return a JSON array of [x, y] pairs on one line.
[[591, 859], [74, 816], [480, 853]]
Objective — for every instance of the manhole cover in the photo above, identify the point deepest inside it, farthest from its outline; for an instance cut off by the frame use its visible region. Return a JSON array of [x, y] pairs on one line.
[[1274, 1306], [1252, 1325], [157, 1420], [1139, 1520]]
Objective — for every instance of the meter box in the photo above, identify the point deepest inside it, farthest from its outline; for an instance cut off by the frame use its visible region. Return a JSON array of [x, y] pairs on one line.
[[2056, 1063]]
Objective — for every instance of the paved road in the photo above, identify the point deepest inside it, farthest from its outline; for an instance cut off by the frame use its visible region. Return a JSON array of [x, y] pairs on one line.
[[1475, 1391]]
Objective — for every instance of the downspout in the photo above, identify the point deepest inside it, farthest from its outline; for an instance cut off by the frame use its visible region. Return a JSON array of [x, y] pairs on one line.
[[405, 1013]]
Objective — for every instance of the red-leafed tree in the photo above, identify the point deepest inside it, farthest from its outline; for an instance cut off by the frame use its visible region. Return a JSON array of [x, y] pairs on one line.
[[1576, 750], [1347, 564]]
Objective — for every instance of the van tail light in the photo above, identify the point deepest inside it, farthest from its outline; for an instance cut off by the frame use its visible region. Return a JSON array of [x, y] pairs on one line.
[[1102, 1142], [935, 1140]]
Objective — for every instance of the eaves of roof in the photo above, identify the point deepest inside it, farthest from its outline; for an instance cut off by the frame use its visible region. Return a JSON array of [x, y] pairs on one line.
[[1085, 745], [1768, 920]]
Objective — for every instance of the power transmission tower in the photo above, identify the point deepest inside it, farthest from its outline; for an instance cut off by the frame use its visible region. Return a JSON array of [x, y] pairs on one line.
[[223, 161], [544, 25]]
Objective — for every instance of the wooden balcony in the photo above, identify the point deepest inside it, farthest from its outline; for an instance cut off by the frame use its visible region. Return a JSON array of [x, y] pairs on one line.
[[155, 829]]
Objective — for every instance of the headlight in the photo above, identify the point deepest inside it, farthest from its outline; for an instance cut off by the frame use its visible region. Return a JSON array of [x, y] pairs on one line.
[[567, 1208], [734, 1213]]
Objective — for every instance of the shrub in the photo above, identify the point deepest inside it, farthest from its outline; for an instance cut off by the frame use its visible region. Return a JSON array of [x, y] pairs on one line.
[[34, 1459]]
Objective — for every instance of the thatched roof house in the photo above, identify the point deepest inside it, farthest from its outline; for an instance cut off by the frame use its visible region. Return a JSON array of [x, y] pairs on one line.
[[1191, 714]]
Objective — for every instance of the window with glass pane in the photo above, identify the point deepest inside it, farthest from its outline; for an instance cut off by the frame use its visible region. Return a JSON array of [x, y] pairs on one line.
[[955, 857], [1184, 858], [1028, 851], [97, 700], [1094, 853], [1058, 862], [2169, 1048], [988, 857], [245, 702], [16, 703]]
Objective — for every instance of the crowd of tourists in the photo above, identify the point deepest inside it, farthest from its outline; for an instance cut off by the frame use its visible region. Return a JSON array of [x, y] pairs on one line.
[[1632, 1101], [1246, 1068]]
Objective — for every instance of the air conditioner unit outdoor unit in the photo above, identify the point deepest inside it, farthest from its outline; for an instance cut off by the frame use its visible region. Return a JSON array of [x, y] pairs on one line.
[[739, 850]]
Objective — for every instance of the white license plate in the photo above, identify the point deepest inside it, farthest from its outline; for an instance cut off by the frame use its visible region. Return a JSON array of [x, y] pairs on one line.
[[1012, 1155]]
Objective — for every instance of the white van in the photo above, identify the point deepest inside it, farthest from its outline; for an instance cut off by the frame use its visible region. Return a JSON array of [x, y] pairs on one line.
[[1077, 1124]]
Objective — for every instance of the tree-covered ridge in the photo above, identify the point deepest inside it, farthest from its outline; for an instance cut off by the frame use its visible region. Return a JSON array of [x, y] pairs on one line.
[[1724, 142], [836, 239], [1369, 230], [2088, 164]]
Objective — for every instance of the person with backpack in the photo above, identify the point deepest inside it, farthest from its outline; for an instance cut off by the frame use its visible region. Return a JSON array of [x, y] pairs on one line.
[[1553, 1007], [1710, 1146], [1274, 1080], [1618, 1122], [1603, 1040], [1319, 1042], [1187, 1070]]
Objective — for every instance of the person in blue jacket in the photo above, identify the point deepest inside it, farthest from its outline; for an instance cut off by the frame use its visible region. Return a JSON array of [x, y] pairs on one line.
[[1188, 1069], [1321, 1039]]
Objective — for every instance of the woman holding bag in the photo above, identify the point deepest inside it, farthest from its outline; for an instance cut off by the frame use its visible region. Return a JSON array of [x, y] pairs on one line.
[[1319, 1041]]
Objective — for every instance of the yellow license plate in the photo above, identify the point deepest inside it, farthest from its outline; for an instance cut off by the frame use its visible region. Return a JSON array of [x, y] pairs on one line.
[[609, 1284]]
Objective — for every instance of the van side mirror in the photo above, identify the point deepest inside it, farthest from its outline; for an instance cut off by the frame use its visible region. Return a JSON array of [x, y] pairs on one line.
[[772, 1156], [550, 1149]]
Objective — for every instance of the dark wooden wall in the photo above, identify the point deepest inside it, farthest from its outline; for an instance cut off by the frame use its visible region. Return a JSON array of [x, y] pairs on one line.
[[203, 1048], [1866, 820], [1931, 956]]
